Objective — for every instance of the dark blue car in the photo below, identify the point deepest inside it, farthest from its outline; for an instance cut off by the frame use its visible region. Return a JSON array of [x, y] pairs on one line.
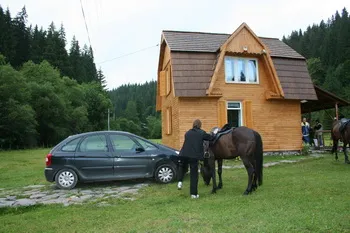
[[109, 155]]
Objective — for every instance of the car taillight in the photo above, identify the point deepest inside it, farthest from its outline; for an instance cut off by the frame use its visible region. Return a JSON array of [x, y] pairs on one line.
[[48, 160]]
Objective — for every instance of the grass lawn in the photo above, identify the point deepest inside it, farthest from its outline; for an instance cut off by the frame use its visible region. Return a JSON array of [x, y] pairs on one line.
[[309, 196]]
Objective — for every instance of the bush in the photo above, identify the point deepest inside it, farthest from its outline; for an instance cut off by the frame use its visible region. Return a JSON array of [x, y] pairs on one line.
[[305, 150]]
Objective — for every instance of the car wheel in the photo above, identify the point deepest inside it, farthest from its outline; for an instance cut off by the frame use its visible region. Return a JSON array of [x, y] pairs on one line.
[[66, 179], [165, 173]]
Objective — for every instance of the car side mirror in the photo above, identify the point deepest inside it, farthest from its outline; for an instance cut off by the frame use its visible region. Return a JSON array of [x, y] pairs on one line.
[[139, 149]]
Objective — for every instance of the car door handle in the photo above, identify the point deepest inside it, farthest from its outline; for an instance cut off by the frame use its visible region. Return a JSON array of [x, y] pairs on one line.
[[81, 156]]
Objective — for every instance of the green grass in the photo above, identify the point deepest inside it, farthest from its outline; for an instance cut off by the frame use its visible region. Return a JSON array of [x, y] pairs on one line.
[[22, 167], [309, 196], [156, 140]]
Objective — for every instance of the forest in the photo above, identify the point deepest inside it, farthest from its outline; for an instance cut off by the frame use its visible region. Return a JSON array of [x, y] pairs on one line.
[[48, 92], [326, 46]]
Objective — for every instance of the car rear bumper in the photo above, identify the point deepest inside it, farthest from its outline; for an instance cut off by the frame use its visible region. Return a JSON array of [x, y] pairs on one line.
[[50, 174]]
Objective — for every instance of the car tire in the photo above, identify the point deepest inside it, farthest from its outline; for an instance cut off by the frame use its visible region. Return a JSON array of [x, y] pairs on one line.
[[66, 179], [165, 173]]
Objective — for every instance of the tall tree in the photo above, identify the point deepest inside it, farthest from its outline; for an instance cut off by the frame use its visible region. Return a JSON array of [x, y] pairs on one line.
[[21, 36], [55, 51], [101, 78], [77, 71], [17, 118], [7, 39], [89, 65]]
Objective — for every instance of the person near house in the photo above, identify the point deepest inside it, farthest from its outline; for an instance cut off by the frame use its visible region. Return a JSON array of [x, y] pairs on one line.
[[318, 127], [191, 152], [305, 129]]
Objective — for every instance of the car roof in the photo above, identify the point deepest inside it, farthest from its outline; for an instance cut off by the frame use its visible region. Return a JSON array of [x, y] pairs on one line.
[[99, 132]]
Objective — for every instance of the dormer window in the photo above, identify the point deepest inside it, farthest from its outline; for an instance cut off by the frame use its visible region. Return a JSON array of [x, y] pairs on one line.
[[241, 70]]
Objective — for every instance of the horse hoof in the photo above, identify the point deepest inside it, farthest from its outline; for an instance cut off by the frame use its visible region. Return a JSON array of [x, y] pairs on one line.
[[245, 193], [213, 192], [347, 162]]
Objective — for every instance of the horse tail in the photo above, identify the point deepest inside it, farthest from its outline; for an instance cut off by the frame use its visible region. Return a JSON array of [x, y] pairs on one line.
[[258, 158]]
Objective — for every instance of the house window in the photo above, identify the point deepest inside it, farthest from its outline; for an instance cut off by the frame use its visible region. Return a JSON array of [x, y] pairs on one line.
[[168, 121], [234, 114], [241, 70]]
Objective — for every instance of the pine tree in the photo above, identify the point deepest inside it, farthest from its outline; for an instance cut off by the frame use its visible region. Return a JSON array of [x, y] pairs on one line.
[[21, 36], [37, 43], [76, 71], [89, 65], [101, 78], [7, 42]]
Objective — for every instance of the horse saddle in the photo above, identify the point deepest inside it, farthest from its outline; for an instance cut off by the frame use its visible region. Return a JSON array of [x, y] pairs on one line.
[[224, 130], [343, 123]]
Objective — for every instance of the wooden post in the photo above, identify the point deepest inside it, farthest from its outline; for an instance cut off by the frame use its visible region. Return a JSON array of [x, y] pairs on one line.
[[336, 111]]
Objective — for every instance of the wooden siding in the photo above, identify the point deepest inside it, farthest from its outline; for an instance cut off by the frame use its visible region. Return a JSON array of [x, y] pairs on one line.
[[171, 103], [162, 83], [278, 121], [171, 139], [168, 121], [248, 114], [244, 39], [196, 108]]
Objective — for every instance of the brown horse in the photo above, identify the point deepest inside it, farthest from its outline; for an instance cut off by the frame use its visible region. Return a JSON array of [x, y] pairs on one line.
[[342, 133], [241, 141]]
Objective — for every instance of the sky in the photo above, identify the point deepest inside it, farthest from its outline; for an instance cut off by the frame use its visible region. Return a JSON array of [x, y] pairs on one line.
[[124, 34]]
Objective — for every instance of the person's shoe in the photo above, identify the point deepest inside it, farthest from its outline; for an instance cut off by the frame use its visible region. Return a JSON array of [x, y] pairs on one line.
[[195, 196], [179, 185]]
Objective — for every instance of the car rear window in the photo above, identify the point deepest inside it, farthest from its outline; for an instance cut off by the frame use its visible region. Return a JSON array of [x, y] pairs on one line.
[[71, 146]]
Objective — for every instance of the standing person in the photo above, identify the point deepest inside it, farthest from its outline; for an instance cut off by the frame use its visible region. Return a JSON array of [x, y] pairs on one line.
[[318, 127], [191, 152], [305, 129]]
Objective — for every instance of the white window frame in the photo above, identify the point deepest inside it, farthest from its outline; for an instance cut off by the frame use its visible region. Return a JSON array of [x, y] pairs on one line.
[[245, 67], [240, 110]]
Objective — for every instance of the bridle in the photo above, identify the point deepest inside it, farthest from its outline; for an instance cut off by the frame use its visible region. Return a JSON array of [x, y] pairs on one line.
[[206, 154]]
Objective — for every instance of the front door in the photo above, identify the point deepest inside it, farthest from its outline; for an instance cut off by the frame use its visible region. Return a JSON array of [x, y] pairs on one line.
[[131, 160], [93, 158], [234, 113]]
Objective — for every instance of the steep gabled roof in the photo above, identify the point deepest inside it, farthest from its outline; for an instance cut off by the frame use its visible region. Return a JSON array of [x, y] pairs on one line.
[[210, 42]]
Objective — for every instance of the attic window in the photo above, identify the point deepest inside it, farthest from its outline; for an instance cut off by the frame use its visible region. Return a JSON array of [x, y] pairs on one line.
[[241, 70]]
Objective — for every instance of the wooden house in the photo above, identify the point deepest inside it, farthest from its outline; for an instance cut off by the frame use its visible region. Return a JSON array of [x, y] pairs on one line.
[[237, 78]]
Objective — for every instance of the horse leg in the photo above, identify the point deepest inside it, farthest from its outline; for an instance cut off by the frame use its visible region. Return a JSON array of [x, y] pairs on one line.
[[335, 148], [220, 173], [345, 153], [213, 175], [250, 170]]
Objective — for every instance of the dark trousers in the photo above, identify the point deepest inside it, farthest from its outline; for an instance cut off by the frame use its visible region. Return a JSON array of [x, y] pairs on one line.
[[193, 173]]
